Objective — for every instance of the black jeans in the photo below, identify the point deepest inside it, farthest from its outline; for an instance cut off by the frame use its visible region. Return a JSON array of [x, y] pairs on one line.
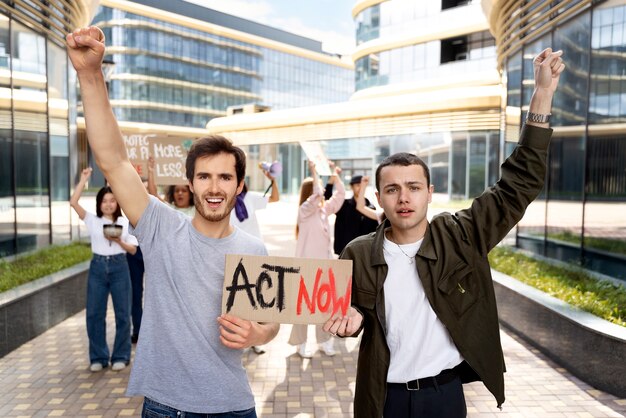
[[136, 268], [442, 401]]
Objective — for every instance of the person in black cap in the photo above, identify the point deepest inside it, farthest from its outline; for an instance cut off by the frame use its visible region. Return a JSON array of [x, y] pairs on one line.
[[350, 222]]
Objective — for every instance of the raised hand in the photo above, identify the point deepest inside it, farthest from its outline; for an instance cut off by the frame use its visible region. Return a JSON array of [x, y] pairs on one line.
[[548, 66], [85, 47], [85, 174], [312, 168]]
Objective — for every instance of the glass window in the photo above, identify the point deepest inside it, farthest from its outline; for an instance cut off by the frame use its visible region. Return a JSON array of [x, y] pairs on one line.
[[7, 202], [477, 164], [459, 167], [33, 209], [5, 52], [570, 101], [605, 208], [608, 43], [564, 211]]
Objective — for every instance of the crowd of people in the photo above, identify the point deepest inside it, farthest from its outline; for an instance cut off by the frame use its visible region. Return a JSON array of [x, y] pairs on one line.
[[422, 294]]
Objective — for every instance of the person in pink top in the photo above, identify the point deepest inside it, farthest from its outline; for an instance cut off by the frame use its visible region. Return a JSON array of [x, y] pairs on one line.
[[313, 241]]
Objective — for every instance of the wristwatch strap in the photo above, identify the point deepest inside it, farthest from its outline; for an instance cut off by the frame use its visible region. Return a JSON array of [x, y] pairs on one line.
[[538, 117]]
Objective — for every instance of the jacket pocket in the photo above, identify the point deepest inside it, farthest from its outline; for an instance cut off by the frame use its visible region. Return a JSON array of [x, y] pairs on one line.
[[459, 290], [364, 299]]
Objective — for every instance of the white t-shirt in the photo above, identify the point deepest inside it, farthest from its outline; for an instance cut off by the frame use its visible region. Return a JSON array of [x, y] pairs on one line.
[[419, 343], [99, 244], [253, 201]]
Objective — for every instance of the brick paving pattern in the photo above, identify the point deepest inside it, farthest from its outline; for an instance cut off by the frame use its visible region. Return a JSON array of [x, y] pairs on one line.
[[49, 376]]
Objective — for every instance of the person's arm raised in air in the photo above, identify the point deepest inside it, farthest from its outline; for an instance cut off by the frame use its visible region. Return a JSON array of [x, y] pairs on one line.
[[360, 201], [275, 195], [152, 187], [310, 206], [78, 191], [85, 48], [336, 200]]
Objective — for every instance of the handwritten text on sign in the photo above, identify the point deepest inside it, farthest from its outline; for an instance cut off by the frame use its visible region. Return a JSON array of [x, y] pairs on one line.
[[286, 290]]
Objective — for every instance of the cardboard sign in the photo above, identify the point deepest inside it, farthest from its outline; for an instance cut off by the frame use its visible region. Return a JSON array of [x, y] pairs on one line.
[[314, 152], [138, 151], [286, 290], [169, 156]]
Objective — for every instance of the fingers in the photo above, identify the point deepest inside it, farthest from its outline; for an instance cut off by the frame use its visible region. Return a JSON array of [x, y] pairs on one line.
[[91, 37], [234, 332]]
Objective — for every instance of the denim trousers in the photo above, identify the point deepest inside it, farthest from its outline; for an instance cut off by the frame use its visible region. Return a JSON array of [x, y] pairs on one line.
[[153, 409], [136, 268], [108, 274]]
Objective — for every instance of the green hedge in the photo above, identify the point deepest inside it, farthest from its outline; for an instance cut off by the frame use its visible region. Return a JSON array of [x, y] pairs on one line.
[[41, 263], [603, 299]]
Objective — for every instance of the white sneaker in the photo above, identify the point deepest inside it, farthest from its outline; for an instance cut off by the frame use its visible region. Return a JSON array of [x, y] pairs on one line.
[[328, 347], [95, 367], [118, 365], [258, 349], [304, 352]]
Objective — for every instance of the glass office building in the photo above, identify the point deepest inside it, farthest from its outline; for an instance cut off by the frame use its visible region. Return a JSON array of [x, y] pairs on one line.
[[581, 215], [37, 138], [178, 63], [425, 82]]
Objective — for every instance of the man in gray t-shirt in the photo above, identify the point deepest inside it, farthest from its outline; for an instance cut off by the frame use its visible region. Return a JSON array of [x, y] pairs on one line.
[[188, 356]]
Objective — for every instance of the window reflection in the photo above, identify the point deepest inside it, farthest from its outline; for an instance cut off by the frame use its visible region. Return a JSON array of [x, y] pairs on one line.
[[564, 215], [570, 101], [608, 60]]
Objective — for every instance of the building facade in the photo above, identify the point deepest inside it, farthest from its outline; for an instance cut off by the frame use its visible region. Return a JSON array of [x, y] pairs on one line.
[[178, 65], [581, 215], [425, 82], [37, 121]]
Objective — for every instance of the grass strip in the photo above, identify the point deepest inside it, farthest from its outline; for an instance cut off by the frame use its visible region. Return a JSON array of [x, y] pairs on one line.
[[41, 263], [602, 299]]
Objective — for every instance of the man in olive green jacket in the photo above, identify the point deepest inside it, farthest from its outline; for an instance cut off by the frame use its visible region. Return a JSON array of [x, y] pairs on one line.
[[423, 291]]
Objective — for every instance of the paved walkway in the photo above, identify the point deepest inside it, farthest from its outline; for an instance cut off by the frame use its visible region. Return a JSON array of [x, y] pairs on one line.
[[48, 376]]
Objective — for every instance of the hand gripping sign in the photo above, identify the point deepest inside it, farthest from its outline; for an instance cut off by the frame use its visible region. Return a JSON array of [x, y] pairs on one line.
[[286, 290]]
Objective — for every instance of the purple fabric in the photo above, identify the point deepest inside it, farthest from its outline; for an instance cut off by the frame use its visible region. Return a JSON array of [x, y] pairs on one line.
[[240, 208]]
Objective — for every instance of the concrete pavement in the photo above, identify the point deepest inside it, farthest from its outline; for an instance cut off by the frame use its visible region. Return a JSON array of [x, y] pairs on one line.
[[49, 376]]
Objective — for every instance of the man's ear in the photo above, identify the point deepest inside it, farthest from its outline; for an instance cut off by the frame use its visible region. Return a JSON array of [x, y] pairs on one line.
[[240, 187], [378, 198], [190, 186], [431, 190]]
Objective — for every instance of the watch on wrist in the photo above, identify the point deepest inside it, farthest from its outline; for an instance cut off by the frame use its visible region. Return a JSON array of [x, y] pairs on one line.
[[538, 117]]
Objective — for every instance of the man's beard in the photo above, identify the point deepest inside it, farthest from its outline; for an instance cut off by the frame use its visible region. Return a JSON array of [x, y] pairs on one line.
[[212, 216]]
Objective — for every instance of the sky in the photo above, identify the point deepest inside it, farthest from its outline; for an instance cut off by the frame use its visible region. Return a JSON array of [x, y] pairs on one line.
[[328, 21]]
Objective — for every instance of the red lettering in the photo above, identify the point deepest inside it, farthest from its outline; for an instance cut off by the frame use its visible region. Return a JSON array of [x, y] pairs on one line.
[[302, 293], [342, 302], [323, 296]]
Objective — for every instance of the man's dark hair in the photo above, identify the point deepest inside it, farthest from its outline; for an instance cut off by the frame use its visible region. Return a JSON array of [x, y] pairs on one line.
[[403, 159], [213, 145], [100, 198]]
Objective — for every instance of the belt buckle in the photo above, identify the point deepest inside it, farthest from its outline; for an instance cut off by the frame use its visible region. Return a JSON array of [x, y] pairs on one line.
[[417, 385]]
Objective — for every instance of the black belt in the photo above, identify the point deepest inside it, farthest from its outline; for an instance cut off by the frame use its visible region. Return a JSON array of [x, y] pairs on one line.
[[446, 376]]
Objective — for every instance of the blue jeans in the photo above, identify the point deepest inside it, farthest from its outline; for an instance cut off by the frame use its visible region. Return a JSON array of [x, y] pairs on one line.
[[136, 268], [153, 409], [108, 274]]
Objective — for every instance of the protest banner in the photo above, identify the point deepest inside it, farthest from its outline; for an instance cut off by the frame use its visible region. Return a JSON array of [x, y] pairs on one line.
[[286, 290], [138, 151], [314, 152], [169, 156]]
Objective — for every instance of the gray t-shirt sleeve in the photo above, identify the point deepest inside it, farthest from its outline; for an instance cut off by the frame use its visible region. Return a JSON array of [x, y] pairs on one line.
[[157, 222]]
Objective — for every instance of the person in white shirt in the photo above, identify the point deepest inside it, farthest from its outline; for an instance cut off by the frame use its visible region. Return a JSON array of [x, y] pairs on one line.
[[108, 274], [248, 202]]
